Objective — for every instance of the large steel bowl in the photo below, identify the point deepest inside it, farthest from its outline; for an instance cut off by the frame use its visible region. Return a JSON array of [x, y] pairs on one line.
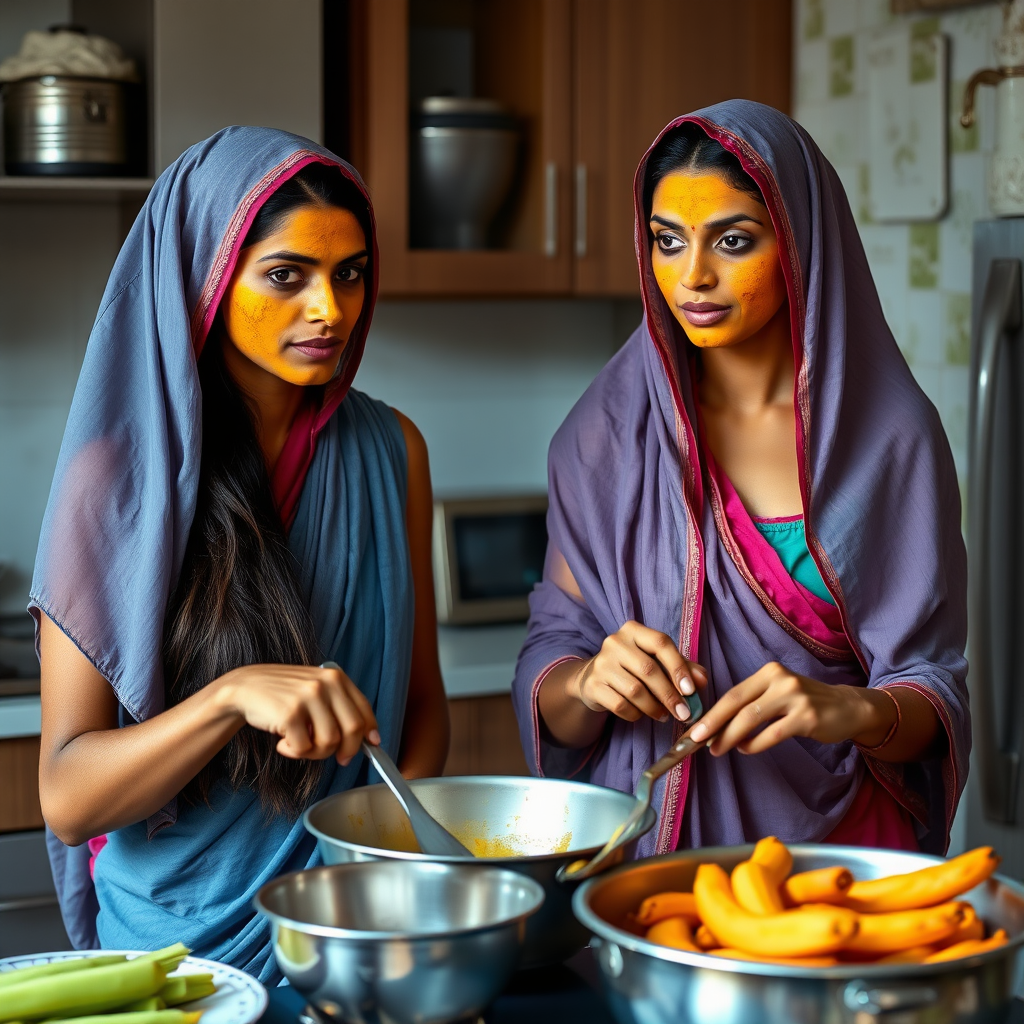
[[650, 984], [532, 826], [390, 943]]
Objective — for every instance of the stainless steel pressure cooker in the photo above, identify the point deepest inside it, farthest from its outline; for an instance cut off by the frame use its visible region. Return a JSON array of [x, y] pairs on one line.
[[58, 124]]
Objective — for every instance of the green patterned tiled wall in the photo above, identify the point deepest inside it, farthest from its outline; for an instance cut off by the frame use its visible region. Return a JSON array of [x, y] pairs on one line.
[[923, 271]]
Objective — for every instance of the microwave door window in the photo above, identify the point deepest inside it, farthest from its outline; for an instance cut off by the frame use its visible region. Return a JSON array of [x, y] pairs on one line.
[[499, 556]]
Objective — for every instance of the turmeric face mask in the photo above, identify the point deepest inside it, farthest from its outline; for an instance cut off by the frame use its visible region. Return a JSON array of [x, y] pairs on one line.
[[715, 257], [294, 297]]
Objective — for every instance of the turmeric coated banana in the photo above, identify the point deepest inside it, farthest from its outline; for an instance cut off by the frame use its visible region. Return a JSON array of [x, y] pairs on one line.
[[663, 905], [824, 885], [925, 888], [774, 857], [812, 931], [880, 934], [969, 948], [673, 932], [755, 890], [788, 961]]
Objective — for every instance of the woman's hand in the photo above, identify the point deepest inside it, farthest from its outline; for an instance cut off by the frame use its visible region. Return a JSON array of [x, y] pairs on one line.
[[637, 672], [317, 712], [776, 704]]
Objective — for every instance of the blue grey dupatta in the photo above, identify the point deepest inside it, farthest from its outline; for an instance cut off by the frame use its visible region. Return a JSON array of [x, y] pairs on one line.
[[118, 518]]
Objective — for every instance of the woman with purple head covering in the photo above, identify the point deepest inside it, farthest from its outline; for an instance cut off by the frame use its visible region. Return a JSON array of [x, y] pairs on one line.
[[754, 500], [227, 513]]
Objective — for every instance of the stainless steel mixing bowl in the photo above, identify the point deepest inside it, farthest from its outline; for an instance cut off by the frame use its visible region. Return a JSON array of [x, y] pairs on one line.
[[650, 984], [391, 943], [532, 826]]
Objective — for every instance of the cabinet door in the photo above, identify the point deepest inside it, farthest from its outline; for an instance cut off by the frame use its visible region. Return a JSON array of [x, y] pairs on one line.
[[523, 61], [639, 64], [19, 795], [221, 62], [485, 737]]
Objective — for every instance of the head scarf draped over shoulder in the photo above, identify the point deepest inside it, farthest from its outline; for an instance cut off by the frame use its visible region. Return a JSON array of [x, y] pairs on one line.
[[118, 519], [124, 491], [630, 512]]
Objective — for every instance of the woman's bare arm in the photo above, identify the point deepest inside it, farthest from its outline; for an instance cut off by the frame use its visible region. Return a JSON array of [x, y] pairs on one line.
[[426, 730], [95, 777]]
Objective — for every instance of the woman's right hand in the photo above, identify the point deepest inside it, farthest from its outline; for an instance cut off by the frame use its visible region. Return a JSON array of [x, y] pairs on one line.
[[317, 712], [637, 672]]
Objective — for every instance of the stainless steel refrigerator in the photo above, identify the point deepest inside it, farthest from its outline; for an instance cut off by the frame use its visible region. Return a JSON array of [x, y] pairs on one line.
[[995, 543]]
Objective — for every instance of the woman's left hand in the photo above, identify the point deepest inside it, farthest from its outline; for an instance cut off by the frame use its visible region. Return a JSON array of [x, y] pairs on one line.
[[776, 704]]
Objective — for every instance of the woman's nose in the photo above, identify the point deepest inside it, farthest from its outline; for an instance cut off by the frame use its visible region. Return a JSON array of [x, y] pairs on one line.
[[322, 304], [697, 272]]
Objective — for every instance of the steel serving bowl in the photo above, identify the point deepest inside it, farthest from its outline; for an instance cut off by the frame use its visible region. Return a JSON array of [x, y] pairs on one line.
[[650, 984], [532, 826], [392, 943]]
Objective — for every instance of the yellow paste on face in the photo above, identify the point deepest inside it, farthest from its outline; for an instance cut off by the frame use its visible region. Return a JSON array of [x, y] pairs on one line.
[[302, 283], [751, 282]]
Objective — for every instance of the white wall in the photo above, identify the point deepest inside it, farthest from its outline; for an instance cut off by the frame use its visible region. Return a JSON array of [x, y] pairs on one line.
[[489, 382]]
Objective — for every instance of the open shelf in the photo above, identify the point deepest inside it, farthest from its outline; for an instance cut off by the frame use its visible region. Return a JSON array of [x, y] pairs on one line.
[[56, 189]]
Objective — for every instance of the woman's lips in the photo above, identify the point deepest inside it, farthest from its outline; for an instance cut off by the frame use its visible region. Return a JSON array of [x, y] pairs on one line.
[[704, 314], [318, 348]]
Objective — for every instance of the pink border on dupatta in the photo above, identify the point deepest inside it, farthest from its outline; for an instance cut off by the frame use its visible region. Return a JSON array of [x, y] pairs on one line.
[[810, 619]]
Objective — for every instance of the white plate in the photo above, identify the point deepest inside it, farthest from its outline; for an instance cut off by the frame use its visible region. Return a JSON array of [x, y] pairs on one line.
[[239, 999]]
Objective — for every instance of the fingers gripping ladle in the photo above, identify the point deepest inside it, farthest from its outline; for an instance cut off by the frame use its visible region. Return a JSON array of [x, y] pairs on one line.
[[433, 838], [626, 832]]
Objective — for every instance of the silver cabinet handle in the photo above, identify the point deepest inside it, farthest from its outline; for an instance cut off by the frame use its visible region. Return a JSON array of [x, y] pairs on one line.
[[551, 209], [1000, 314], [581, 209]]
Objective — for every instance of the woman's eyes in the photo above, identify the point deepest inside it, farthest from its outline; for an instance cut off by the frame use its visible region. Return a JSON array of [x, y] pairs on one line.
[[284, 275], [731, 243], [735, 243], [288, 276], [670, 243]]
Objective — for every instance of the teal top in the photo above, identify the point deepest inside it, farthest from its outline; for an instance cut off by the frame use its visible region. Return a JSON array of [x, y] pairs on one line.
[[786, 536]]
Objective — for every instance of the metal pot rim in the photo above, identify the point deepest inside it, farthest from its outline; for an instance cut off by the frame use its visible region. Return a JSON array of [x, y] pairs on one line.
[[533, 888], [476, 780], [60, 79], [606, 932]]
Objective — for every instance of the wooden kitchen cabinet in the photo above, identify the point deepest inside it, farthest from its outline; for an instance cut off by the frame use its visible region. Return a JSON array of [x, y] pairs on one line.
[[592, 82], [637, 65], [19, 794], [485, 737]]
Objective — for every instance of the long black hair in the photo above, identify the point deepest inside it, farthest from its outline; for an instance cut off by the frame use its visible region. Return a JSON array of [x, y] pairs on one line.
[[237, 600], [690, 148]]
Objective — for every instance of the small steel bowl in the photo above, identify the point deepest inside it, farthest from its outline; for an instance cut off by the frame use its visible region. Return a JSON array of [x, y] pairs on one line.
[[646, 983], [531, 826], [391, 943]]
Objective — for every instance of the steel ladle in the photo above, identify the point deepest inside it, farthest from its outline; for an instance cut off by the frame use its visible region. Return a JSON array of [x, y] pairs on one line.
[[433, 838], [626, 832]]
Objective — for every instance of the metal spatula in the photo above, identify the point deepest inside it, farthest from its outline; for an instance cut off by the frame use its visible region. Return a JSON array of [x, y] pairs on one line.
[[626, 832], [433, 838]]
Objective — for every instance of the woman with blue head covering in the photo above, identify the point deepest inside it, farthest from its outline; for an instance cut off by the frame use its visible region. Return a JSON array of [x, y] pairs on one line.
[[226, 514]]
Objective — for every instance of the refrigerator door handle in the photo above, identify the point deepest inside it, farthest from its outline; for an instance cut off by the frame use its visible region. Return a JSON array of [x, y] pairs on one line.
[[1000, 315]]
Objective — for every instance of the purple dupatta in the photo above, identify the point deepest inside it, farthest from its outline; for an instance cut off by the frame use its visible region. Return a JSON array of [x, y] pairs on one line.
[[634, 514]]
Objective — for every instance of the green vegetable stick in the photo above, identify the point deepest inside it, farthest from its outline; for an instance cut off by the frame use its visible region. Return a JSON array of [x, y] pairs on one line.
[[78, 963], [143, 1005], [169, 957], [152, 1017], [181, 988], [78, 994]]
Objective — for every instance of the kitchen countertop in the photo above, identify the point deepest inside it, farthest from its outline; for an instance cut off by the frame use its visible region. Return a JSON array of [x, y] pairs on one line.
[[479, 661]]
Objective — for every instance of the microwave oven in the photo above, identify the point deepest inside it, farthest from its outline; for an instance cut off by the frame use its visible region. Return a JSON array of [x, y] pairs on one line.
[[488, 555]]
